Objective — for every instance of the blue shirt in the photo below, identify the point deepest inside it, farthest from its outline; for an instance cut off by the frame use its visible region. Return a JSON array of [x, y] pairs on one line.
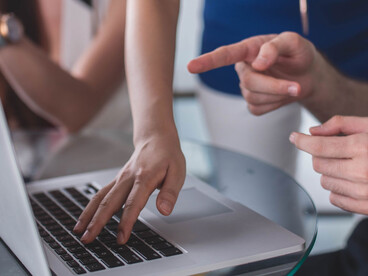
[[338, 28]]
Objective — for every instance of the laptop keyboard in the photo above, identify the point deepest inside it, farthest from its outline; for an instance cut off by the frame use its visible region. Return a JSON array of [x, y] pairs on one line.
[[57, 212]]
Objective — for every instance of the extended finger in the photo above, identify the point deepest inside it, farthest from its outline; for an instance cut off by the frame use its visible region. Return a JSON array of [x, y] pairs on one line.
[[327, 147], [256, 81], [110, 204], [245, 50], [169, 191], [136, 201], [341, 124], [91, 209], [345, 187], [349, 204]]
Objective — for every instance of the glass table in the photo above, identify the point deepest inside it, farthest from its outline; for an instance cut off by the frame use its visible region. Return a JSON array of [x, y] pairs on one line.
[[255, 184]]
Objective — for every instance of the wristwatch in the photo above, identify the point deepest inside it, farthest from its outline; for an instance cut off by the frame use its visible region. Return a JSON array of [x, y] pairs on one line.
[[11, 29]]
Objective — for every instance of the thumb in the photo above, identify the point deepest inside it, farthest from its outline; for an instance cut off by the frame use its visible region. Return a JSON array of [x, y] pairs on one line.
[[169, 192]]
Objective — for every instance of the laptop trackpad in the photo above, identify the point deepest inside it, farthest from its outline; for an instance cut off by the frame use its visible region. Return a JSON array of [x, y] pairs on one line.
[[191, 204]]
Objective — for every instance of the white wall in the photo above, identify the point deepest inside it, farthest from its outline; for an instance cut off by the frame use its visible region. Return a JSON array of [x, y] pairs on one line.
[[188, 43]]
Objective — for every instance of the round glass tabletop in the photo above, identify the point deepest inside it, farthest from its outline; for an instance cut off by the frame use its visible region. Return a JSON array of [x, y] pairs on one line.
[[255, 184]]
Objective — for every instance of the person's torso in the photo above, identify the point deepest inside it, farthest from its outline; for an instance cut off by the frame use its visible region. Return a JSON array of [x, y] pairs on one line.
[[338, 28]]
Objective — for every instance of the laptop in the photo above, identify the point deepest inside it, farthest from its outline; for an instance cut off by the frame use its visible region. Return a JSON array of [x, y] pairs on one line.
[[205, 232]]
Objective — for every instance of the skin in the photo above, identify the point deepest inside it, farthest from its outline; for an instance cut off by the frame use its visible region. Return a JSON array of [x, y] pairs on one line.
[[49, 90], [276, 70], [342, 161], [158, 162]]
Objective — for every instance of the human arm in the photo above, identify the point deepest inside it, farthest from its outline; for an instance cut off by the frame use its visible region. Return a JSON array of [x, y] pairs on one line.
[[275, 70], [341, 160], [157, 161], [69, 99]]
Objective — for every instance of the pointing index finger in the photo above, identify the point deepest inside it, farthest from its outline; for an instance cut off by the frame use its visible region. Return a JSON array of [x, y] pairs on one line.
[[245, 50]]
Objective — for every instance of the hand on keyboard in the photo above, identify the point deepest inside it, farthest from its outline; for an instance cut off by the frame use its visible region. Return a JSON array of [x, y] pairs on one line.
[[156, 164]]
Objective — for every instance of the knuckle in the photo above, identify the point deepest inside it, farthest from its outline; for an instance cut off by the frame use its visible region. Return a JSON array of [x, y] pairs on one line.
[[316, 164], [337, 120], [239, 67], [324, 182], [363, 175], [248, 96], [142, 174], [360, 141], [333, 199], [97, 198], [362, 193], [292, 38], [254, 110], [246, 80]]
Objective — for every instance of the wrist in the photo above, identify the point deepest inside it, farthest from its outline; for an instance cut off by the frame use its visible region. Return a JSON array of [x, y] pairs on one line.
[[142, 134]]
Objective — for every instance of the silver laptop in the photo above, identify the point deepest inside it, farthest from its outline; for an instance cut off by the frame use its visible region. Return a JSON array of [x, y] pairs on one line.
[[206, 231]]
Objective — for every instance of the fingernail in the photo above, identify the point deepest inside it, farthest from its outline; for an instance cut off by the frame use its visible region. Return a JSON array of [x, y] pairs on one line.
[[85, 236], [292, 138], [293, 90], [120, 237], [77, 226], [261, 60], [316, 127], [166, 207]]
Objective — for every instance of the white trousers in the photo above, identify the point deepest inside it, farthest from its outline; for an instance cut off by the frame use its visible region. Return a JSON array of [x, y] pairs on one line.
[[266, 137]]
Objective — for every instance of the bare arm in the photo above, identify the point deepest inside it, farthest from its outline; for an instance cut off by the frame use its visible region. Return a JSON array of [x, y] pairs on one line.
[[157, 162], [150, 51], [69, 99]]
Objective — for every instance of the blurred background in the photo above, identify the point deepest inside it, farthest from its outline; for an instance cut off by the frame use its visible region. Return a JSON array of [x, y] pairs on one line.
[[334, 224]]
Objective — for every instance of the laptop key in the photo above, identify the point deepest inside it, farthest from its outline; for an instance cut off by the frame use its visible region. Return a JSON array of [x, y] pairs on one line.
[[146, 234], [48, 239], [70, 243], [79, 270], [140, 226], [54, 245], [117, 248], [83, 254], [129, 257], [72, 264], [146, 252], [60, 251], [162, 245], [112, 262], [94, 267], [66, 257], [88, 260], [75, 249], [167, 252], [103, 254], [154, 240]]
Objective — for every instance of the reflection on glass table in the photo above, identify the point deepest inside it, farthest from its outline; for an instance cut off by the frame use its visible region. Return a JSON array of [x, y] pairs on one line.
[[260, 187]]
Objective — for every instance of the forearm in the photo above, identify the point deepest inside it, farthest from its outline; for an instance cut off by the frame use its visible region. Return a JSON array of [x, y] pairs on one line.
[[150, 52], [335, 94], [46, 88]]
